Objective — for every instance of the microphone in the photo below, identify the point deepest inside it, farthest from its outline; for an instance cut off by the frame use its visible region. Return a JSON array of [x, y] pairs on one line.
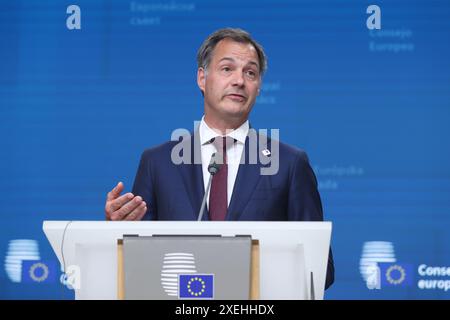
[[213, 168]]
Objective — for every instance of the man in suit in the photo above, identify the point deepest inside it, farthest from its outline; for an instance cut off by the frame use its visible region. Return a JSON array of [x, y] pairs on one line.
[[230, 69]]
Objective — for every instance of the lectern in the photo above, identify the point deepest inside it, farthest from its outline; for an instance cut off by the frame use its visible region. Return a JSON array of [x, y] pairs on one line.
[[292, 255]]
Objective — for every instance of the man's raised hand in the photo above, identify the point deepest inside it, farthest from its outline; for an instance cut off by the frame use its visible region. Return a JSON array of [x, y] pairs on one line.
[[124, 207]]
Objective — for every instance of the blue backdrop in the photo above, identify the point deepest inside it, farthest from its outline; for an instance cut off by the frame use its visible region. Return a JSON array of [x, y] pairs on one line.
[[371, 108]]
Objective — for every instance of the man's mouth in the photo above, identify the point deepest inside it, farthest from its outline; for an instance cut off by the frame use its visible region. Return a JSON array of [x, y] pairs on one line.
[[236, 97]]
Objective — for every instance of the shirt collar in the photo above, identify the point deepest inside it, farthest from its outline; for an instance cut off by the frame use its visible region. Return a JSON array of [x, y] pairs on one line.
[[206, 133]]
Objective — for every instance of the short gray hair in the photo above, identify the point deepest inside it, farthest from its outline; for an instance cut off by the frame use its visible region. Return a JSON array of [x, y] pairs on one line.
[[204, 53]]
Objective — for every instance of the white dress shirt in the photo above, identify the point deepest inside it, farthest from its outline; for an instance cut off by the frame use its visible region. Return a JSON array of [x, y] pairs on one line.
[[234, 153]]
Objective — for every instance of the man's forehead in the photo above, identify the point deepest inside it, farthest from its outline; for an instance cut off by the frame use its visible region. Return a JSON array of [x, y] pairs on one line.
[[230, 50]]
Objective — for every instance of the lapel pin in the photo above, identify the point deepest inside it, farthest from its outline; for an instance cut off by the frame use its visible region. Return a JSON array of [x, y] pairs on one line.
[[266, 152]]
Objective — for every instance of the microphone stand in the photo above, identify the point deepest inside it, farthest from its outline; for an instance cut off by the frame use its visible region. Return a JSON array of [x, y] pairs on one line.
[[202, 208], [213, 168]]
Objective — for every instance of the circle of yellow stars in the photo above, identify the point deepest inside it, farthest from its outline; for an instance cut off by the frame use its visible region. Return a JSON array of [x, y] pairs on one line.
[[202, 290], [389, 274], [34, 267]]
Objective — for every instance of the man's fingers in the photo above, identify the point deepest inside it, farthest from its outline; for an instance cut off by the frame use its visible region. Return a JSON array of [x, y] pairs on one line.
[[127, 208], [115, 193], [142, 214], [118, 203], [137, 213]]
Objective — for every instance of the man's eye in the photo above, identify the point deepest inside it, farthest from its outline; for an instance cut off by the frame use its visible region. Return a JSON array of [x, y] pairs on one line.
[[226, 69], [251, 73]]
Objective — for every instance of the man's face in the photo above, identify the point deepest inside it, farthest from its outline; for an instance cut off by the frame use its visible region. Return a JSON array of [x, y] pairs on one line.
[[231, 81]]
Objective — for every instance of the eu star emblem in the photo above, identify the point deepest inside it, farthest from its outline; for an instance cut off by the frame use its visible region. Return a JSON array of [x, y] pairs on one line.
[[196, 286], [396, 274], [37, 271]]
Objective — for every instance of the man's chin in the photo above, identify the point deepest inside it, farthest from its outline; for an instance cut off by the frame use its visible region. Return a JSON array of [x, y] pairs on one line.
[[235, 113]]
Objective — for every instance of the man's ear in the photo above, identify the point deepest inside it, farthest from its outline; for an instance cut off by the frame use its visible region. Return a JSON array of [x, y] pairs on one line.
[[259, 87], [201, 79]]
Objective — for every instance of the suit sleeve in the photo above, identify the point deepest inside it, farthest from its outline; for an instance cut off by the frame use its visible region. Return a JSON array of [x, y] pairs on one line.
[[143, 186], [304, 203]]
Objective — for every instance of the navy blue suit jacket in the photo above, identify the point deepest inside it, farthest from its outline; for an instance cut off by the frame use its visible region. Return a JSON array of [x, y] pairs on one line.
[[175, 192]]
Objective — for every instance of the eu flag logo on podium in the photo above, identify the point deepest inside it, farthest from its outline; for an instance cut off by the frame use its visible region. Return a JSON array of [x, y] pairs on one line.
[[196, 286], [37, 271], [396, 274]]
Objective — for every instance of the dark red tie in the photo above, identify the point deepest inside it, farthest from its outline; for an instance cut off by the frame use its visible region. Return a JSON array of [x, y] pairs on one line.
[[218, 197]]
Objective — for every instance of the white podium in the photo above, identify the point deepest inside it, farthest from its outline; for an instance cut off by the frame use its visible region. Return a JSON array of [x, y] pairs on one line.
[[289, 252]]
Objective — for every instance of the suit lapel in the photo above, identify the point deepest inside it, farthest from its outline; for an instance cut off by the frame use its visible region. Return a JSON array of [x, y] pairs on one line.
[[247, 179], [193, 177]]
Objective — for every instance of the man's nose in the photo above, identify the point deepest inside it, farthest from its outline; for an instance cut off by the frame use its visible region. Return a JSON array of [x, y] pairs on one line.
[[238, 79]]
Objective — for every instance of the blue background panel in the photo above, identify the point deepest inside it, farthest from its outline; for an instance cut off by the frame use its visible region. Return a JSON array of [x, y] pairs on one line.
[[371, 108]]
